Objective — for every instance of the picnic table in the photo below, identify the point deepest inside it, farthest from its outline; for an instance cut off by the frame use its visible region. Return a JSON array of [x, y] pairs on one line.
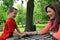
[[35, 37]]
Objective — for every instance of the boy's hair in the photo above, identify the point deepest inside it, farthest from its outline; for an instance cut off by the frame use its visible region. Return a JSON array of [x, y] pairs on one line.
[[11, 9]]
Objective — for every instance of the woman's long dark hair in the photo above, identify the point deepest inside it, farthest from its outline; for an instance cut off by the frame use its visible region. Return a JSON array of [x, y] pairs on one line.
[[56, 7]]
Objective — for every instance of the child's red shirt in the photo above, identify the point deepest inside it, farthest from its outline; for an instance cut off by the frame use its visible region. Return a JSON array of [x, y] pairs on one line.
[[9, 27]]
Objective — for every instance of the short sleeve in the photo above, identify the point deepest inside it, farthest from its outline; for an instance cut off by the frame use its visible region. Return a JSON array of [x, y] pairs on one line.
[[9, 28]]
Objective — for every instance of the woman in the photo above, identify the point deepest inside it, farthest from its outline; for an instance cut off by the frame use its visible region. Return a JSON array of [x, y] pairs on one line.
[[53, 11]]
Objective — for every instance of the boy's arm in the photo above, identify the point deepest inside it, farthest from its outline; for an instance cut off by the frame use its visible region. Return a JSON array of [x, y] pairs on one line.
[[17, 32], [17, 29], [31, 33]]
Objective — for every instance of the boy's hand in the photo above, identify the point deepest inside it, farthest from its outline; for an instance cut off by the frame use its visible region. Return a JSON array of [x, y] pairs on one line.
[[28, 33], [23, 34]]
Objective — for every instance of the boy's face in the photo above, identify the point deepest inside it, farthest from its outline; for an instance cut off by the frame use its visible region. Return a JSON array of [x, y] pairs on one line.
[[13, 14]]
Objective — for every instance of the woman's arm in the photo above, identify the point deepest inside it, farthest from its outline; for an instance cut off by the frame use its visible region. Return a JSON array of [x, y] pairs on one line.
[[46, 29]]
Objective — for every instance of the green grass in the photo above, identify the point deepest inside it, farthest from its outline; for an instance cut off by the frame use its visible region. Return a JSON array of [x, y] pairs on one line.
[[0, 33], [38, 27]]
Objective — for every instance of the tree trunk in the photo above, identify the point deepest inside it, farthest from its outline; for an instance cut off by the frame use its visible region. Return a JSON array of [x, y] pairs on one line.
[[29, 16]]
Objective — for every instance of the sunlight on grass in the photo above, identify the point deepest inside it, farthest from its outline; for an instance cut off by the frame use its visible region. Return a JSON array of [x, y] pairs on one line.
[[38, 27], [21, 29], [0, 33]]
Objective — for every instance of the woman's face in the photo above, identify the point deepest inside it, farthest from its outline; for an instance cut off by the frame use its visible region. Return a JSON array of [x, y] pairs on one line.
[[50, 13]]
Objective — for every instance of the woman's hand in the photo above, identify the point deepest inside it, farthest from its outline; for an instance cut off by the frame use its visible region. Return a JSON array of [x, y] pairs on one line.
[[51, 33]]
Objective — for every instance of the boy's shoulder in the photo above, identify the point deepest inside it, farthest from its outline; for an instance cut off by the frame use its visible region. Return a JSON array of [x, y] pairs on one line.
[[9, 20]]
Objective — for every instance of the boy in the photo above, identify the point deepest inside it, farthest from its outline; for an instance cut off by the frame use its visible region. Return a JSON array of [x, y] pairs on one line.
[[10, 25]]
